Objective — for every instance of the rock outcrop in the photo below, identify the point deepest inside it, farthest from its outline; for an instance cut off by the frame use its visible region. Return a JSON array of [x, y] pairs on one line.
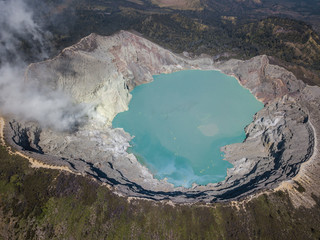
[[101, 71]]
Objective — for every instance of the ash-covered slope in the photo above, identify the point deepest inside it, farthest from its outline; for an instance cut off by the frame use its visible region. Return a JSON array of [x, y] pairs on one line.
[[101, 71]]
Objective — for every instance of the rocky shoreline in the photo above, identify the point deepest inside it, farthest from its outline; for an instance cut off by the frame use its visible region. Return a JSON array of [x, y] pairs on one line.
[[101, 71]]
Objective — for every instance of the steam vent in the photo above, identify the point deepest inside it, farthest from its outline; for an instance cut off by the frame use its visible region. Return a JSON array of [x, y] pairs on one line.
[[278, 147]]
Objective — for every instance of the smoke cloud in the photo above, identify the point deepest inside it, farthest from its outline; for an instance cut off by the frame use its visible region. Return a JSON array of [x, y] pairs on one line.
[[21, 37]]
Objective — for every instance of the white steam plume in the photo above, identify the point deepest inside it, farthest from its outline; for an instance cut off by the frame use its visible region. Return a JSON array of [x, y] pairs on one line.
[[23, 99]]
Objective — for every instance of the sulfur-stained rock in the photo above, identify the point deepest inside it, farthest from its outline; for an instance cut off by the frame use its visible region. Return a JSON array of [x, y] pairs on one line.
[[101, 71]]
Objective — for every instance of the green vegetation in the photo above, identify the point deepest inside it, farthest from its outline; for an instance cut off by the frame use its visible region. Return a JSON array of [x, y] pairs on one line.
[[289, 40], [179, 4], [220, 30], [299, 187], [50, 204]]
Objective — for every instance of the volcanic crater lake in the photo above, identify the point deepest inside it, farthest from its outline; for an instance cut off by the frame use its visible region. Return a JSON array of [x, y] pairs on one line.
[[181, 120]]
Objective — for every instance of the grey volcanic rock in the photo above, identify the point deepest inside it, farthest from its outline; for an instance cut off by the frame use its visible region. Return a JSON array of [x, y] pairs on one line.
[[273, 148], [101, 71], [267, 82]]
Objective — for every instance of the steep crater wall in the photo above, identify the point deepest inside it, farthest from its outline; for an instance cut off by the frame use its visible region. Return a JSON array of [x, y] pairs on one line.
[[101, 71]]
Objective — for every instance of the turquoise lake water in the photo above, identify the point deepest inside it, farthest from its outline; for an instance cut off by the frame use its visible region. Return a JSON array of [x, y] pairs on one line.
[[181, 120]]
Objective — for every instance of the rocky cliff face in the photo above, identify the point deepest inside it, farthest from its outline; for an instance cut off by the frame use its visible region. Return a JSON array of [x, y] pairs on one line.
[[101, 71]]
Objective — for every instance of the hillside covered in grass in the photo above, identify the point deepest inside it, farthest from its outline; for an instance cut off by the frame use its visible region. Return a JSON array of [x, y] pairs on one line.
[[235, 29], [49, 204]]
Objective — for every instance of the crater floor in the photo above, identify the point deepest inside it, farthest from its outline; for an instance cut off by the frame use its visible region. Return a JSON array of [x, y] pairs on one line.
[[101, 71]]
